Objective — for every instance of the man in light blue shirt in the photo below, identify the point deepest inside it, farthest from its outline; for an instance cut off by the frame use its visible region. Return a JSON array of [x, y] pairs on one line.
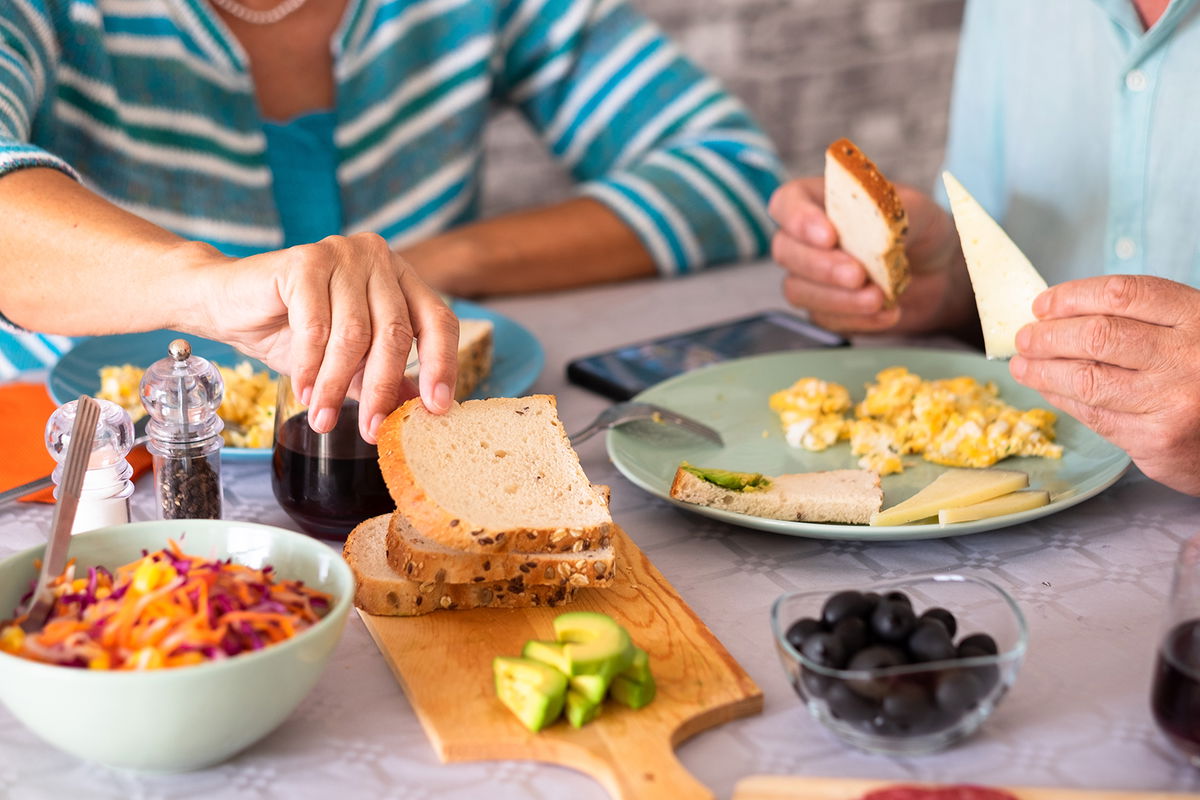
[[1076, 123]]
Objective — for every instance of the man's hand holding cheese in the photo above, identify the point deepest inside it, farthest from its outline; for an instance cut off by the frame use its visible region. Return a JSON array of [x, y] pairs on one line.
[[838, 290], [1121, 353]]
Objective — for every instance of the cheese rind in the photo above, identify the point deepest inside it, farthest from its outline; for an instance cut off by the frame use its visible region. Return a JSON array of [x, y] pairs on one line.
[[998, 506], [954, 488], [1004, 280]]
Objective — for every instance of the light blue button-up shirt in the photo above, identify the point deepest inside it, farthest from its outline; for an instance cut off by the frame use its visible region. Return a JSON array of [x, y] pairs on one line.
[[1080, 132]]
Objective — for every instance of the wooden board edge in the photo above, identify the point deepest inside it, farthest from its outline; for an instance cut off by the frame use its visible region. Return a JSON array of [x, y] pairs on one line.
[[798, 787]]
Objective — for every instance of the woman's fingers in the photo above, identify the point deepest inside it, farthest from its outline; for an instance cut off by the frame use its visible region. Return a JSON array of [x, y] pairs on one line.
[[436, 329], [385, 386]]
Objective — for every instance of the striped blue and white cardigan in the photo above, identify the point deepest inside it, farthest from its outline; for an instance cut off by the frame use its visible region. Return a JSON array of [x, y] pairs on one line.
[[150, 103]]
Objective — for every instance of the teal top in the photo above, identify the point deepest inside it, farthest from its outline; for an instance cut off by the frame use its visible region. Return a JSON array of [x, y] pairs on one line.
[[303, 163], [1076, 129]]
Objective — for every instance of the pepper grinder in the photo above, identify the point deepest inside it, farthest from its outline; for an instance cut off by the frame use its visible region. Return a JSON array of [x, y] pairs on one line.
[[104, 499], [181, 393]]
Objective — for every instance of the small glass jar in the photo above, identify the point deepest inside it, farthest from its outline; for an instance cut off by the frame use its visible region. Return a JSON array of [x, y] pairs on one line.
[[104, 499], [182, 393]]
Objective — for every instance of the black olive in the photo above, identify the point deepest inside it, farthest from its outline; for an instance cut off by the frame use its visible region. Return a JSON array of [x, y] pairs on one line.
[[957, 691], [842, 605], [825, 649], [800, 630], [892, 621], [814, 684], [930, 642], [872, 599], [943, 616], [907, 703], [898, 597], [877, 656], [853, 633], [845, 704], [978, 642]]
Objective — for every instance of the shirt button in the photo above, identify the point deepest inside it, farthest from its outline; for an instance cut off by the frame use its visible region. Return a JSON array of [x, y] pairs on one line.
[[1125, 248], [1136, 81]]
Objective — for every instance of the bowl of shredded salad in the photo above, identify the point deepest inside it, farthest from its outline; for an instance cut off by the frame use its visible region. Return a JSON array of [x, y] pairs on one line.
[[172, 644]]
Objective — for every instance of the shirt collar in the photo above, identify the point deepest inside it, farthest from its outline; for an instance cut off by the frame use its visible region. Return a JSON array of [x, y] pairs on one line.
[[1136, 40]]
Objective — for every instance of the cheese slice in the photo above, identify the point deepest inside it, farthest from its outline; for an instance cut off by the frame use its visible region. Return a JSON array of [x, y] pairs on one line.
[[997, 506], [1004, 280], [954, 488]]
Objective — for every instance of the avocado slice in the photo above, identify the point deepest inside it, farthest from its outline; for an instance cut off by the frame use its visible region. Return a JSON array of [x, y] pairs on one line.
[[639, 670], [580, 710], [593, 687], [532, 690], [549, 653], [594, 643], [631, 693], [728, 479]]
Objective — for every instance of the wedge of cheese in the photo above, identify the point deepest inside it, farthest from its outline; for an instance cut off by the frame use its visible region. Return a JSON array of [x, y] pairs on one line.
[[1004, 280], [996, 507], [954, 488]]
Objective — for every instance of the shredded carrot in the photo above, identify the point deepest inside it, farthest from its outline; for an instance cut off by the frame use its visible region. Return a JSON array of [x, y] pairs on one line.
[[166, 609]]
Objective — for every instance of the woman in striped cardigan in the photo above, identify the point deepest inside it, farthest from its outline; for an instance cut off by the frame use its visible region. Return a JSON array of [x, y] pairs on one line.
[[288, 176]]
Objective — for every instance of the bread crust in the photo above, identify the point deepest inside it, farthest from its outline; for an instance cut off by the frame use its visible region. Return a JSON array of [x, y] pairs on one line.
[[413, 559], [394, 595], [883, 194], [451, 530]]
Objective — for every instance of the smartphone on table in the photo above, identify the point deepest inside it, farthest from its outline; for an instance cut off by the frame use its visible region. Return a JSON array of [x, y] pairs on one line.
[[625, 371]]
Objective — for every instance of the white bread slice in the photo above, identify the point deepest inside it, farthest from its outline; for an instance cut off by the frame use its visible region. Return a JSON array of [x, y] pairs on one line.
[[475, 349], [419, 558], [1004, 281], [841, 495], [379, 590], [866, 211], [493, 476]]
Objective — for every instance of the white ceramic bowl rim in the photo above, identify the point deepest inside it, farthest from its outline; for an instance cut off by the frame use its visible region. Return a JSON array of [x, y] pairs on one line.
[[1013, 654], [339, 608]]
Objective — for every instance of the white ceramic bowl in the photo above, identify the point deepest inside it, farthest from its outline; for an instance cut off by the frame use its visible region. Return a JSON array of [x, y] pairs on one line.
[[171, 720]]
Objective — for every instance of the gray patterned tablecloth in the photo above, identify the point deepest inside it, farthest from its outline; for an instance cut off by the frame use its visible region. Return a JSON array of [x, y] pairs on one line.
[[1091, 580]]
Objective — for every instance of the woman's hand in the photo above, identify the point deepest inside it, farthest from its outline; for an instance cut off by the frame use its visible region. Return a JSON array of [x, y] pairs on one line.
[[338, 316], [835, 289], [1120, 353]]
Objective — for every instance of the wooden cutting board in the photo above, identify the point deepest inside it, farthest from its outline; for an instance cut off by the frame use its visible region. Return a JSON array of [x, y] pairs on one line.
[[794, 787], [444, 663]]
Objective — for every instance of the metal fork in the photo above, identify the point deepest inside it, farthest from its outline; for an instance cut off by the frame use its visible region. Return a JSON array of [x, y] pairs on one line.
[[621, 413]]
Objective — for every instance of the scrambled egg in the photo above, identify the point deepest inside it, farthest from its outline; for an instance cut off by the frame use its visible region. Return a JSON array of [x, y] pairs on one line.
[[957, 422], [248, 407]]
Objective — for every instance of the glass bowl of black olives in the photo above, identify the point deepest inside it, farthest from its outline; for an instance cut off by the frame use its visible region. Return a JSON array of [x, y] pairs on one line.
[[902, 668]]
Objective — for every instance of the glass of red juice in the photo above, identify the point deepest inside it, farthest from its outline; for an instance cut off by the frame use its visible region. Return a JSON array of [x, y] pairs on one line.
[[1175, 696], [326, 482]]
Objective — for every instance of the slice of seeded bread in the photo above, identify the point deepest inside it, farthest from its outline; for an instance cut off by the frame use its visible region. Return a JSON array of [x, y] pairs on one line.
[[416, 557], [491, 476], [866, 211], [379, 590], [475, 346], [842, 495]]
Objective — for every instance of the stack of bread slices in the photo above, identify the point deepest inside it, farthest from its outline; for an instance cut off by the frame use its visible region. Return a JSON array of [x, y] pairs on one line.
[[493, 510]]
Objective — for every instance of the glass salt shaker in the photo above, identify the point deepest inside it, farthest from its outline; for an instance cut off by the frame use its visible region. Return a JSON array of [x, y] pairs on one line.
[[181, 393], [104, 499]]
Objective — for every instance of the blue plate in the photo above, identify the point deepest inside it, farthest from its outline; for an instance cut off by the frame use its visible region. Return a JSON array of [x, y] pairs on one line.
[[517, 362]]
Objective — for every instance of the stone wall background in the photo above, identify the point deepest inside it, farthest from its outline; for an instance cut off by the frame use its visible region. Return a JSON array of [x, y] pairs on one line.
[[878, 71]]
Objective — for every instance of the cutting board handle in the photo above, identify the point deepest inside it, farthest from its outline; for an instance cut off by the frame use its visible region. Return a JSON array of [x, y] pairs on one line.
[[639, 767]]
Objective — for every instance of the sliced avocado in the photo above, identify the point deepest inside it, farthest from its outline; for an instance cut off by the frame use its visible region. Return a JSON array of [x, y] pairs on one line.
[[549, 653], [639, 670], [580, 710], [593, 643], [593, 687], [631, 693], [728, 479], [532, 690]]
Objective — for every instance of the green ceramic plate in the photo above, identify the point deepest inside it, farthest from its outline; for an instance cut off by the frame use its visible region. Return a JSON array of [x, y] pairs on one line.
[[732, 397]]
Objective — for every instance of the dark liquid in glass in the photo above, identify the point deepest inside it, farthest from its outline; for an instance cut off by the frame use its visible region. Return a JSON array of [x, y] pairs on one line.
[[1175, 698], [330, 482]]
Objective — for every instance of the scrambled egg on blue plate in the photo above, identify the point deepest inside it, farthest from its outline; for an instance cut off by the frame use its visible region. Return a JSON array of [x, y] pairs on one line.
[[957, 422]]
